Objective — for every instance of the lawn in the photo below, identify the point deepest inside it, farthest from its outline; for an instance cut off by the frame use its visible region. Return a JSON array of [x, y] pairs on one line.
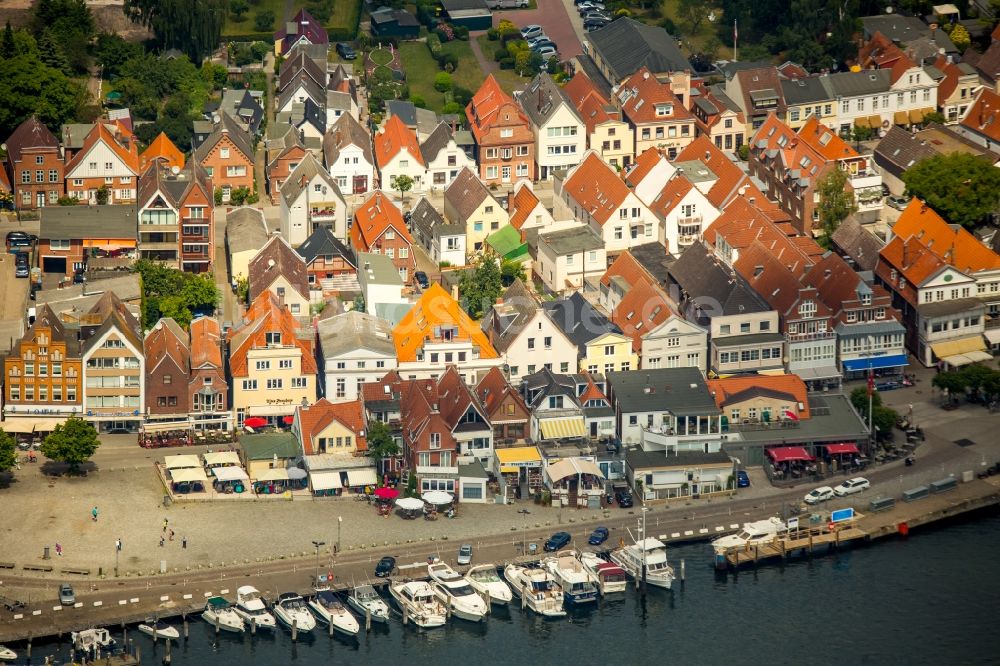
[[508, 80], [247, 25], [705, 40], [343, 18]]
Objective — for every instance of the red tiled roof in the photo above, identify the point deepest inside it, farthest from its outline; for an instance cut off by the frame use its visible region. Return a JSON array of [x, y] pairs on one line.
[[642, 165], [775, 283], [643, 308], [30, 135], [120, 141], [628, 268], [314, 419], [724, 389], [484, 108], [983, 117], [162, 148], [672, 194], [593, 108], [524, 202], [912, 259], [392, 138], [205, 347], [730, 176], [824, 141], [596, 188], [956, 246], [492, 389], [742, 225], [648, 92], [265, 315], [373, 218]]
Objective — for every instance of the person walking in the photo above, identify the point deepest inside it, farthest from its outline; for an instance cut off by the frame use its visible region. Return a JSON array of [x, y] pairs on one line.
[[184, 542], [171, 535], [165, 523], [59, 550], [118, 544], [93, 513], [162, 539]]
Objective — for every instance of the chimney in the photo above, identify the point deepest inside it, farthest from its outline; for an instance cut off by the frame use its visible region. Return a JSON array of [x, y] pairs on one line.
[[906, 253], [757, 270]]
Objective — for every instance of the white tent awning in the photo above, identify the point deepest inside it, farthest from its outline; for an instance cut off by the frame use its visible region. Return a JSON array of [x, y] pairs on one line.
[[231, 473], [22, 426], [325, 480], [181, 461], [273, 474], [361, 477], [222, 458], [188, 474]]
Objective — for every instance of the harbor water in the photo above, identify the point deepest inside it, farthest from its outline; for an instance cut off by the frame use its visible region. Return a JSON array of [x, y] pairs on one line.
[[928, 599]]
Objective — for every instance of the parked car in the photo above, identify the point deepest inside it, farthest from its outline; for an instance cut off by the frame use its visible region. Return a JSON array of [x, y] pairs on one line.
[[21, 265], [598, 536], [464, 554], [507, 4], [385, 567], [537, 41], [899, 203], [585, 7], [851, 486], [544, 44], [742, 479], [346, 51], [595, 16], [547, 52], [592, 24], [66, 595], [19, 239], [421, 278], [532, 31], [624, 499], [557, 541], [821, 494]]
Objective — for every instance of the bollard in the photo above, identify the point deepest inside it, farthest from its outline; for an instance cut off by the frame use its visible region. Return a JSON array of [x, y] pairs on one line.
[[368, 619], [488, 601], [524, 599], [216, 625], [29, 649], [295, 629], [184, 622], [166, 657], [154, 631], [405, 618], [329, 626], [253, 626], [138, 655], [682, 570]]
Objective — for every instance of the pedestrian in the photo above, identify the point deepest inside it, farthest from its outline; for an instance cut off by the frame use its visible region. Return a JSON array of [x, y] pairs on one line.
[[118, 544], [162, 539], [171, 535], [184, 542], [165, 521], [59, 550], [93, 513]]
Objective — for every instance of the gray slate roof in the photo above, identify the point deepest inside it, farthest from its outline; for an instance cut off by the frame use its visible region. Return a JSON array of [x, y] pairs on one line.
[[226, 126], [579, 320], [572, 240], [854, 84], [899, 150], [355, 330], [506, 320], [68, 222], [466, 193], [246, 229], [704, 280], [626, 45], [322, 243], [681, 391], [540, 99], [805, 91], [304, 172], [637, 459], [346, 131], [427, 221], [436, 142], [857, 243]]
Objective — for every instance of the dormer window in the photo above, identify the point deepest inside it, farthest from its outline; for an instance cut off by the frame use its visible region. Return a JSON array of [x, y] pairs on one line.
[[808, 308], [273, 338], [664, 110]]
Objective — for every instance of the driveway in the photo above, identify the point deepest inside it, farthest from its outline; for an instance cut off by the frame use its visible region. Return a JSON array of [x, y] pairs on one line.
[[559, 19]]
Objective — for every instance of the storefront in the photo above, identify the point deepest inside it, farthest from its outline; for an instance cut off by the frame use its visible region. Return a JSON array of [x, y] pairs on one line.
[[472, 483], [519, 471]]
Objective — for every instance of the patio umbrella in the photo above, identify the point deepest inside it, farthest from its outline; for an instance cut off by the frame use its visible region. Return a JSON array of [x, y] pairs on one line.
[[255, 422], [386, 493], [288, 420], [296, 473], [410, 503], [437, 497]]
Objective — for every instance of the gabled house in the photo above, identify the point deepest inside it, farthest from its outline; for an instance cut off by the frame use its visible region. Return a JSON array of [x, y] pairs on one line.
[[555, 405], [607, 132], [306, 117], [624, 274], [526, 211], [244, 106], [505, 142], [334, 446], [282, 153], [717, 176], [443, 157], [34, 165], [108, 158], [749, 220], [759, 93], [277, 268], [761, 399], [113, 366], [468, 202], [397, 153], [430, 451], [227, 155], [354, 348], [168, 366], [982, 121], [658, 116], [523, 334], [623, 47], [300, 77], [442, 241], [567, 258], [465, 416], [601, 346], [957, 89], [310, 199], [330, 264], [246, 235], [162, 150], [719, 118], [560, 135], [649, 173], [683, 210], [208, 389], [503, 408], [177, 216], [347, 153], [302, 29], [660, 336], [379, 229]]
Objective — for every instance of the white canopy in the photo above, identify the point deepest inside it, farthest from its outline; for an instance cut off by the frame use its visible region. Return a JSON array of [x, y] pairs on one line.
[[181, 461], [437, 497], [325, 479], [47, 425], [361, 477], [18, 425], [222, 458], [410, 503], [188, 474], [230, 473], [273, 474]]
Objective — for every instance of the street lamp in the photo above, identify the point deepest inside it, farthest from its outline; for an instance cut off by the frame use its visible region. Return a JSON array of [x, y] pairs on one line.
[[316, 545], [340, 522], [118, 549]]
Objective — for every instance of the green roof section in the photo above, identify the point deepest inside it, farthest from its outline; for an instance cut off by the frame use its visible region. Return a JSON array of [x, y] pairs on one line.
[[508, 244], [267, 445]]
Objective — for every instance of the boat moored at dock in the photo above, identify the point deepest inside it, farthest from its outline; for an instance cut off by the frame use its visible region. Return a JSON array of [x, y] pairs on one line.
[[537, 589], [220, 613], [649, 553], [577, 584], [453, 590], [485, 580], [419, 604], [610, 577]]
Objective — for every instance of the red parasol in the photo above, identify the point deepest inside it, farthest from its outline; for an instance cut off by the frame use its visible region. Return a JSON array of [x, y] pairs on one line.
[[255, 422], [386, 493], [288, 420]]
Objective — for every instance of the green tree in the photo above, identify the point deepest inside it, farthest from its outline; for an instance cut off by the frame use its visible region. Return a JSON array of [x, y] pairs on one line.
[[962, 188], [358, 305], [177, 309], [72, 442], [8, 452], [51, 53], [8, 49], [193, 26], [411, 484], [693, 12], [510, 271], [960, 37], [884, 418], [861, 133], [111, 51], [70, 25], [264, 20], [952, 383], [480, 286], [239, 9], [835, 202], [103, 194], [403, 184], [200, 291], [29, 87], [381, 445], [442, 82]]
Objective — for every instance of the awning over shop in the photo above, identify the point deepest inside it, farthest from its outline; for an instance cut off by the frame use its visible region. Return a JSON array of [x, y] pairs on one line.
[[917, 115], [875, 363], [273, 410], [47, 425], [564, 428], [822, 372], [993, 335], [188, 474], [273, 474], [958, 360], [518, 456], [165, 426], [361, 477], [788, 454], [231, 473], [572, 467], [509, 470], [325, 480], [222, 458], [838, 449], [962, 352], [16, 425], [178, 462], [900, 118]]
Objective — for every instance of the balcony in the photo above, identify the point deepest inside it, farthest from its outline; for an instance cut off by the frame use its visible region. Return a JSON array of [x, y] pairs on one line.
[[322, 214], [687, 239], [195, 238], [803, 337], [434, 469], [198, 255]]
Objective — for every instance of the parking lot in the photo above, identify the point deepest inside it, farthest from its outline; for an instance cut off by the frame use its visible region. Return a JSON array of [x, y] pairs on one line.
[[559, 19]]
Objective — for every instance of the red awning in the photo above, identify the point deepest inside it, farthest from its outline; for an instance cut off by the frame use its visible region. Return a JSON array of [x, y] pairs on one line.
[[788, 453], [386, 493], [255, 422], [836, 449]]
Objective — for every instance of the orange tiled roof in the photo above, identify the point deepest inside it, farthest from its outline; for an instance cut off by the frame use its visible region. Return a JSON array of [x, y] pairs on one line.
[[730, 176], [392, 138], [920, 263], [983, 117], [373, 218], [672, 194], [313, 419], [879, 52], [825, 141], [596, 187], [423, 323], [643, 308], [647, 92], [956, 246], [593, 108], [127, 153], [628, 268], [591, 392], [162, 148], [524, 202], [483, 110], [266, 315], [724, 389], [205, 348], [642, 165]]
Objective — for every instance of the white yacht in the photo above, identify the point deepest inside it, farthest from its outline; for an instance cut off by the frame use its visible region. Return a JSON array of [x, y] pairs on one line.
[[329, 610], [485, 580], [159, 630], [220, 612], [578, 585], [89, 639], [453, 590], [290, 608], [6, 654], [251, 607], [419, 603], [611, 578], [651, 552], [752, 534], [365, 600], [537, 589]]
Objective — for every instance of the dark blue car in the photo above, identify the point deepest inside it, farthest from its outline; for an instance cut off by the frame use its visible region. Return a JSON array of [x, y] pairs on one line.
[[742, 479], [385, 567], [598, 536], [557, 541]]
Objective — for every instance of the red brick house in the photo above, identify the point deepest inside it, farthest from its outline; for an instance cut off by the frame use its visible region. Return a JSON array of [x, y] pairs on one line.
[[379, 228], [207, 386], [505, 142], [504, 408], [227, 155], [167, 364], [34, 165]]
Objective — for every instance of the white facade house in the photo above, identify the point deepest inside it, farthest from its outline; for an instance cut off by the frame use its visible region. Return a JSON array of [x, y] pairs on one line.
[[684, 211], [649, 174], [443, 157], [347, 154], [310, 198], [568, 257], [397, 153], [560, 134], [676, 343], [442, 241], [873, 92], [380, 281], [354, 348]]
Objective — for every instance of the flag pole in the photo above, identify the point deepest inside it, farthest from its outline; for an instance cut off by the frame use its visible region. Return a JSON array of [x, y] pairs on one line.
[[736, 35]]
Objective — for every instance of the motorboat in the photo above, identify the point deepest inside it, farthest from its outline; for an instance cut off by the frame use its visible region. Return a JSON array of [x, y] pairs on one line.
[[752, 534], [291, 610], [578, 585], [455, 592], [158, 629], [611, 578], [485, 580], [366, 602], [220, 613], [649, 552], [328, 609], [419, 604], [537, 589], [89, 640], [6, 654], [250, 606]]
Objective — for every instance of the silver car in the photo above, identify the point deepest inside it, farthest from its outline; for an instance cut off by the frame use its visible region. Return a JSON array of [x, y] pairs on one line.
[[851, 486], [464, 554], [66, 596]]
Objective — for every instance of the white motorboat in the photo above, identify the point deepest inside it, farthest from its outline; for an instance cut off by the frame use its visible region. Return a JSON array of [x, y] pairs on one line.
[[578, 585], [220, 613], [291, 610], [366, 601], [485, 580], [158, 629], [454, 591], [611, 578], [92, 639], [537, 589], [329, 610], [752, 534], [649, 552], [419, 604], [6, 654], [250, 606]]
